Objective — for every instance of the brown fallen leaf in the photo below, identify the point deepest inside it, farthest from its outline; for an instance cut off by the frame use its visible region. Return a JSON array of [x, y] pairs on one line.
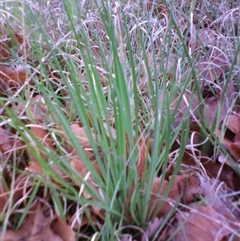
[[18, 189], [233, 123], [11, 78], [36, 110], [152, 228], [213, 195], [60, 228], [42, 135], [79, 164], [202, 223], [10, 144], [158, 8], [212, 168], [74, 158], [212, 67], [4, 49], [82, 138], [7, 43], [37, 226], [232, 147], [206, 37], [5, 140], [212, 108], [3, 197], [142, 156], [34, 167], [183, 189], [80, 167], [234, 150], [188, 102]]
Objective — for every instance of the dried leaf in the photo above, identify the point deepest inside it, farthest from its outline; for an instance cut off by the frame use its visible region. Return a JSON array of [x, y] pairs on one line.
[[36, 110], [36, 227], [42, 135], [201, 223], [213, 67], [3, 197], [233, 123], [211, 109], [4, 49], [188, 102], [60, 228], [206, 37], [74, 159], [34, 167], [22, 185], [11, 78], [234, 149], [79, 164], [142, 162], [9, 39], [152, 228], [213, 196], [184, 188], [82, 137], [158, 8], [5, 141], [10, 144]]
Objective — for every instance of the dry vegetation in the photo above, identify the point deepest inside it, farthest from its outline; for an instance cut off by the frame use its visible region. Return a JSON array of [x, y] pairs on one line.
[[119, 120]]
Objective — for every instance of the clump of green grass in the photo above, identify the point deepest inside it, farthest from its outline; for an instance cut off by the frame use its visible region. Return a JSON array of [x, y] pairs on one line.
[[106, 65]]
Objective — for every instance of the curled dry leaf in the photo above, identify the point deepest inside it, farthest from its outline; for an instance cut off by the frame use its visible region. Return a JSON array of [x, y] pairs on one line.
[[224, 206], [142, 155], [81, 168], [19, 188], [7, 42], [213, 67], [34, 166], [202, 223], [3, 197], [233, 123], [9, 143], [35, 109], [183, 188], [218, 103], [158, 8], [188, 102], [82, 137], [63, 230], [42, 135], [74, 159], [206, 37], [152, 228], [22, 184], [11, 78], [212, 107], [79, 164], [37, 226], [5, 141], [234, 150], [232, 147]]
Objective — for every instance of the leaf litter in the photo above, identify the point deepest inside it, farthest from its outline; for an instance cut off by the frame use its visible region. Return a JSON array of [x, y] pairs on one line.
[[199, 213]]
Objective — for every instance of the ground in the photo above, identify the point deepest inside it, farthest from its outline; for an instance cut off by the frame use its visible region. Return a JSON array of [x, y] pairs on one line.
[[119, 120]]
